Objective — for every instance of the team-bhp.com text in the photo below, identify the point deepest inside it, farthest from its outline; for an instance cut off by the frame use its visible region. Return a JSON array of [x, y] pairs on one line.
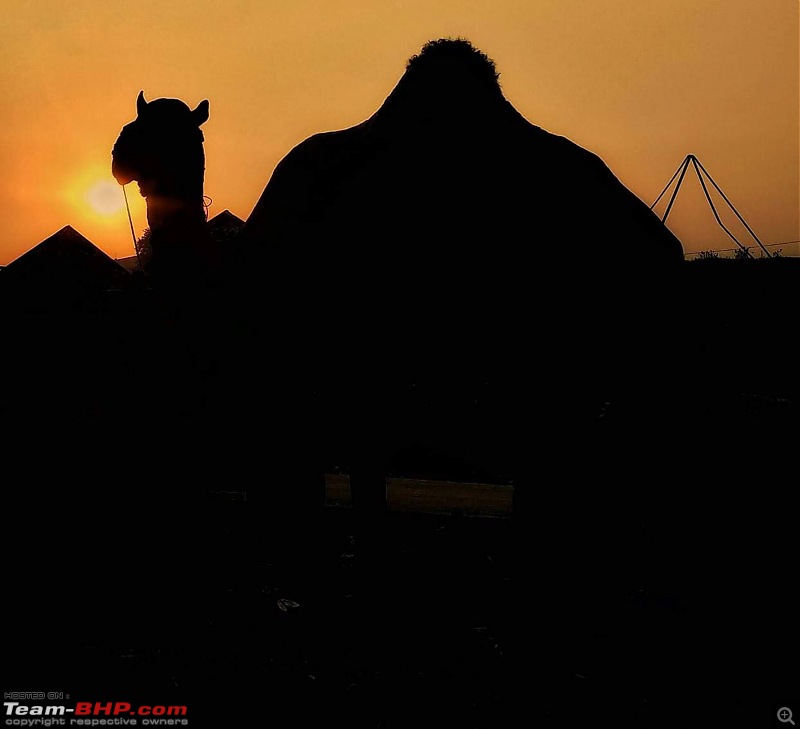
[[87, 713]]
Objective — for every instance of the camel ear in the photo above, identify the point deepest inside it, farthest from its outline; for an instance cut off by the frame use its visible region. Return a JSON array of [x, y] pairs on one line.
[[141, 104], [200, 114]]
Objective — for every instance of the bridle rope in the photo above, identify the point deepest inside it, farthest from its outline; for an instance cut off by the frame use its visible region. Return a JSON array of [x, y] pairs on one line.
[[133, 234]]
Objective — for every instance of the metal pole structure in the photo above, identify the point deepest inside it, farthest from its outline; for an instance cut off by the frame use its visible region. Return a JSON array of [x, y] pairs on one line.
[[701, 172], [714, 210], [666, 187], [736, 212], [684, 166]]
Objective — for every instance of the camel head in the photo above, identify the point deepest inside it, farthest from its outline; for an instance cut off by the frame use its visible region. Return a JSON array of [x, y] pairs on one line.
[[162, 148]]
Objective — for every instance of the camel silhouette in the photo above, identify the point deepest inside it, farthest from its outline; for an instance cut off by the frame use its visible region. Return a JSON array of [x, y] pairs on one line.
[[162, 149], [462, 288]]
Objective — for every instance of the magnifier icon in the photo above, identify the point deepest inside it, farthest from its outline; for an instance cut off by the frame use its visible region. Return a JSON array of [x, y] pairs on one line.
[[785, 715]]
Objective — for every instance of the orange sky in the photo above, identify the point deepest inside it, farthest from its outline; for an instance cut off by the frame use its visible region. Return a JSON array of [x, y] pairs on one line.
[[641, 83]]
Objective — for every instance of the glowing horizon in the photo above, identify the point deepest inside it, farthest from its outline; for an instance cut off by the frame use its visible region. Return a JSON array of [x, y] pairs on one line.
[[641, 84]]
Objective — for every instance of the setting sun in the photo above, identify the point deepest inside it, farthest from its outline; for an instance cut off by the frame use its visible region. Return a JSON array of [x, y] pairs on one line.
[[105, 197], [640, 84]]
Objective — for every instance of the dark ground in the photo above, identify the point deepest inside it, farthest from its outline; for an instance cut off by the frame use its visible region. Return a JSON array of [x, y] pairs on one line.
[[652, 587], [678, 615]]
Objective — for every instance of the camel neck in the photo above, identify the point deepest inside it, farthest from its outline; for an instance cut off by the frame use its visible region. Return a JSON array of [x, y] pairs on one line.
[[166, 212]]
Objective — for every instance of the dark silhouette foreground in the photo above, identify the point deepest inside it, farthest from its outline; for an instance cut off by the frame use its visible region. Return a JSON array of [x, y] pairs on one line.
[[443, 290], [463, 289], [446, 242]]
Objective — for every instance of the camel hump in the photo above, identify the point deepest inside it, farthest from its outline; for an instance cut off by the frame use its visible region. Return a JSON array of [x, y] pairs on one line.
[[448, 180], [447, 61]]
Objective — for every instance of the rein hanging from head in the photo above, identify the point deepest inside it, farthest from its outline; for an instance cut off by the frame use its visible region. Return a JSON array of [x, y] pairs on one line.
[[207, 201], [130, 221], [130, 217]]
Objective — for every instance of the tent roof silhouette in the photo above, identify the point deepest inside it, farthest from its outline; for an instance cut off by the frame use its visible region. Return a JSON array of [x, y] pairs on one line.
[[65, 262], [224, 225]]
